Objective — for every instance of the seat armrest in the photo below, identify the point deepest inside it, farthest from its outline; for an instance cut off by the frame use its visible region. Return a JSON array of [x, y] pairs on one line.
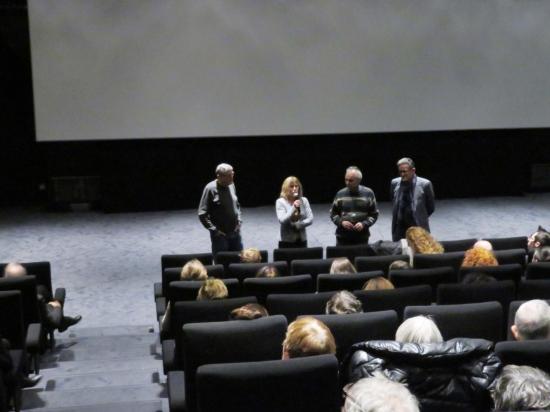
[[33, 338], [176, 391], [169, 355], [59, 295], [161, 306], [157, 289]]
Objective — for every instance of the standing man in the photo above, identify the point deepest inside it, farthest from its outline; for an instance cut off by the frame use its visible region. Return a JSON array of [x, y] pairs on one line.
[[413, 200], [353, 210], [220, 212]]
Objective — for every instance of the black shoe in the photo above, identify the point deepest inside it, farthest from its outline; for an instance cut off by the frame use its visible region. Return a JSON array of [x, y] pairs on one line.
[[68, 322], [29, 382]]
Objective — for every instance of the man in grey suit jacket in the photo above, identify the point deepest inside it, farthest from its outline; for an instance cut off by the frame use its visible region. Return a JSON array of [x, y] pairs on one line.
[[413, 199]]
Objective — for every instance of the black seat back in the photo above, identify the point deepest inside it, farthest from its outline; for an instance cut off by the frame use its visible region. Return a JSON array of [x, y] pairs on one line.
[[27, 286], [506, 243], [181, 290], [425, 261], [11, 318], [261, 287], [396, 299], [352, 281], [503, 292], [370, 263], [537, 270], [512, 271], [226, 258], [294, 305], [509, 256], [349, 251], [433, 277], [42, 271], [535, 353], [310, 267], [460, 245], [290, 254], [534, 289], [174, 261], [242, 271]]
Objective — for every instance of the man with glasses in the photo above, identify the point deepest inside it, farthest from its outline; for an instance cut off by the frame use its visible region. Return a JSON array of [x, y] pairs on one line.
[[413, 200]]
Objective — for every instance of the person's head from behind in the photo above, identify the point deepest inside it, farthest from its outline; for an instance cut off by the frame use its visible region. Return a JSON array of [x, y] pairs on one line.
[[14, 270], [212, 289], [250, 255], [521, 388], [478, 256], [421, 241], [291, 188], [418, 329], [250, 311], [353, 178], [308, 336], [378, 283], [532, 321], [224, 174], [267, 271], [378, 394], [342, 303], [342, 266], [484, 244], [193, 270], [399, 265], [477, 277]]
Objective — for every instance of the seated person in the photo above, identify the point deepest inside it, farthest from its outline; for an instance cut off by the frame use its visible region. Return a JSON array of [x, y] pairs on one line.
[[379, 394], [342, 303], [418, 329], [521, 388], [479, 256], [477, 277], [484, 244], [51, 309], [308, 336], [212, 289], [250, 255], [193, 270], [399, 265], [267, 271], [421, 241], [378, 283], [539, 244], [250, 311], [11, 378], [532, 321], [342, 266]]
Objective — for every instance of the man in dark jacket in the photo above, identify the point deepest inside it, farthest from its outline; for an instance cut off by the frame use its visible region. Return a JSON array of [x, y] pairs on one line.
[[449, 376]]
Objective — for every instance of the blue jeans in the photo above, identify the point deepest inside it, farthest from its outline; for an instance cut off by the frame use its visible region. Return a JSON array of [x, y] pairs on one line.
[[230, 242]]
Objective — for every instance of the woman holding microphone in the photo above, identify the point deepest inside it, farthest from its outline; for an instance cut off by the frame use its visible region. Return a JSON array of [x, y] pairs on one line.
[[294, 214]]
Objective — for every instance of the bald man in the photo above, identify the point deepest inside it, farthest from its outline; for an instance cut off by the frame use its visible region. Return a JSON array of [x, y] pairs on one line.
[[532, 321]]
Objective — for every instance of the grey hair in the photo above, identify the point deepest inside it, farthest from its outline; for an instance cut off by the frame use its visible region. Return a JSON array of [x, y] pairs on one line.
[[342, 303], [418, 329], [356, 170], [223, 168], [532, 320], [406, 161], [521, 388], [379, 394]]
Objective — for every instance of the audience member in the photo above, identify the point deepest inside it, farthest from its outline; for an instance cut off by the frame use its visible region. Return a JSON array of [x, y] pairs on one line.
[[421, 241], [378, 394], [532, 321], [250, 255], [267, 271], [308, 336], [212, 289], [521, 388], [193, 270], [378, 283], [342, 266], [478, 256], [539, 244], [51, 309], [9, 376], [484, 244], [418, 329], [294, 214], [399, 265], [342, 303], [477, 277], [353, 210], [250, 311]]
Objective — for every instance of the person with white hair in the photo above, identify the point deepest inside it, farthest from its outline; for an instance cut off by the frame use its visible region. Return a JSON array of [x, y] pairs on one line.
[[220, 212], [379, 394], [532, 321], [353, 210], [483, 244], [521, 388], [413, 199], [418, 329]]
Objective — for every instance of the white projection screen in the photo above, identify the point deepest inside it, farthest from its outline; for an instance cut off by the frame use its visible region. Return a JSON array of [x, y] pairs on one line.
[[128, 69]]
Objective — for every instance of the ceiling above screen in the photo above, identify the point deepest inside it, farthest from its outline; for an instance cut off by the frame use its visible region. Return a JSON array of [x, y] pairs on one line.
[[128, 69]]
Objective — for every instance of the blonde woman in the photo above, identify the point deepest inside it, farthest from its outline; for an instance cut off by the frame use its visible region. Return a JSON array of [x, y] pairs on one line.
[[193, 270], [342, 266], [212, 289], [421, 241], [294, 214], [250, 255]]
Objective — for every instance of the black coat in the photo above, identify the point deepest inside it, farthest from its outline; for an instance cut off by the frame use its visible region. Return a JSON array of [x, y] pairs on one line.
[[448, 376]]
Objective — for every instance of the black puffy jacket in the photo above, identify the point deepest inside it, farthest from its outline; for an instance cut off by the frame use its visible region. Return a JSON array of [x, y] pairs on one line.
[[450, 376]]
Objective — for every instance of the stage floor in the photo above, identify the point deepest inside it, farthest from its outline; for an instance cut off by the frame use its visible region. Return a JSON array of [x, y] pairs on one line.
[[109, 262]]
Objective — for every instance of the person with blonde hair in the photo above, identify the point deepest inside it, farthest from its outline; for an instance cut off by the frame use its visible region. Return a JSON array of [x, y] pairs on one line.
[[342, 266], [421, 241], [193, 270], [399, 265], [294, 214], [250, 311], [378, 283], [418, 329], [479, 256], [250, 255], [267, 271], [212, 289], [308, 336], [343, 303]]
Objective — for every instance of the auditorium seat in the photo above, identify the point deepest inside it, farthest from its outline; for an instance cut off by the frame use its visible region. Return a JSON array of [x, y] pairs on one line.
[[310, 267], [351, 282], [432, 277], [535, 353], [512, 271], [181, 290], [369, 263], [425, 261], [294, 385], [506, 243], [534, 289], [509, 256], [222, 342], [349, 251], [242, 271], [503, 292], [173, 274], [459, 245], [396, 299], [470, 320], [294, 305], [359, 327], [226, 258], [289, 254], [537, 270], [261, 287]]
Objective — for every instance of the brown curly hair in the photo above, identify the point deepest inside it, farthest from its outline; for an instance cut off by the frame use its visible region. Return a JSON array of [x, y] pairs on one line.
[[478, 256], [421, 241]]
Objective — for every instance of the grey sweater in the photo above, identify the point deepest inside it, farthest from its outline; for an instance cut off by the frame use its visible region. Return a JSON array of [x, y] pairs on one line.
[[219, 208]]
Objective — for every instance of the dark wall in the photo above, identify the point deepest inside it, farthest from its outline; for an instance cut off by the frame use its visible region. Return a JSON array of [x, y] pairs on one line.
[[167, 173]]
